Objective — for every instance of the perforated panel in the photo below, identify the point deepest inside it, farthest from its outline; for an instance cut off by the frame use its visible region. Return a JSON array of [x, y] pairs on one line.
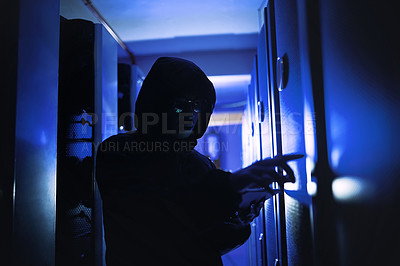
[[298, 232], [75, 164]]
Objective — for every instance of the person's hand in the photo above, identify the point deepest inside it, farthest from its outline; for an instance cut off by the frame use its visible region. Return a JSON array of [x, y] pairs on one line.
[[262, 173], [257, 178]]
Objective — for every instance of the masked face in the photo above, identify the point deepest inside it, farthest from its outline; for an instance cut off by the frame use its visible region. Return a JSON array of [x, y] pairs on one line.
[[169, 100], [184, 115]]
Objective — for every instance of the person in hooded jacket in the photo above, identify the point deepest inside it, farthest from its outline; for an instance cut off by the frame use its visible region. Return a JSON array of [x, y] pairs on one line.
[[163, 202]]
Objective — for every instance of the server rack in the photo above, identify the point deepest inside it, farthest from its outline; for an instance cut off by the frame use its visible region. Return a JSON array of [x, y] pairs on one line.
[[87, 114], [286, 217], [257, 241], [327, 92]]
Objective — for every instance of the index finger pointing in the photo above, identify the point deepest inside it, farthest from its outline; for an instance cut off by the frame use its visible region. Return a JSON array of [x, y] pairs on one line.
[[277, 160], [288, 157]]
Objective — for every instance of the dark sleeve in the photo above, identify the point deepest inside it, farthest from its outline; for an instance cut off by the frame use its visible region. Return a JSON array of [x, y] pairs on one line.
[[207, 200], [204, 204], [229, 234], [212, 204], [114, 168], [225, 237]]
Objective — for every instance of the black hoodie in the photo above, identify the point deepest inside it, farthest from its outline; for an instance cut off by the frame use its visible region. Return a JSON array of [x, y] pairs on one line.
[[163, 202]]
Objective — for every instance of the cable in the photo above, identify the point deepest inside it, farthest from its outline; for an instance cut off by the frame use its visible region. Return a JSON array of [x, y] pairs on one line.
[[102, 20]]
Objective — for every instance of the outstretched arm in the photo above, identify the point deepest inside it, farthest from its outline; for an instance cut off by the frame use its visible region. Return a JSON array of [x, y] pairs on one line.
[[262, 173]]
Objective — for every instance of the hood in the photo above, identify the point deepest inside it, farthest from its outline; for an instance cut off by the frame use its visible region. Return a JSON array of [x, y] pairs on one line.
[[170, 78]]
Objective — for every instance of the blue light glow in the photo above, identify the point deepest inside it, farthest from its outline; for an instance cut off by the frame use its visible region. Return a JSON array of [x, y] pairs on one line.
[[351, 189], [336, 154], [43, 137]]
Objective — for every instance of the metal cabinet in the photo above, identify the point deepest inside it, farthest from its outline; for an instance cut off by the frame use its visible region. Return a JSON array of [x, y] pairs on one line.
[[87, 114], [251, 144], [326, 90], [282, 114], [288, 91]]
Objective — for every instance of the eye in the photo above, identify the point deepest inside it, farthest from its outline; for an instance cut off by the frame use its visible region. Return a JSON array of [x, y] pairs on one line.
[[178, 110]]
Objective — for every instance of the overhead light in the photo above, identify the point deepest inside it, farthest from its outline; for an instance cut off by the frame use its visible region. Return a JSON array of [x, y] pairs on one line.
[[229, 80]]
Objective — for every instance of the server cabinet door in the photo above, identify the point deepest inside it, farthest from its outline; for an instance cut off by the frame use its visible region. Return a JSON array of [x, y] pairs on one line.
[[264, 86], [288, 107], [87, 114], [75, 164], [256, 247], [275, 207], [251, 133]]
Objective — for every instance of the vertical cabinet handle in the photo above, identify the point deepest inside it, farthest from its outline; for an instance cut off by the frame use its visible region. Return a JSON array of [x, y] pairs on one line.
[[282, 72]]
